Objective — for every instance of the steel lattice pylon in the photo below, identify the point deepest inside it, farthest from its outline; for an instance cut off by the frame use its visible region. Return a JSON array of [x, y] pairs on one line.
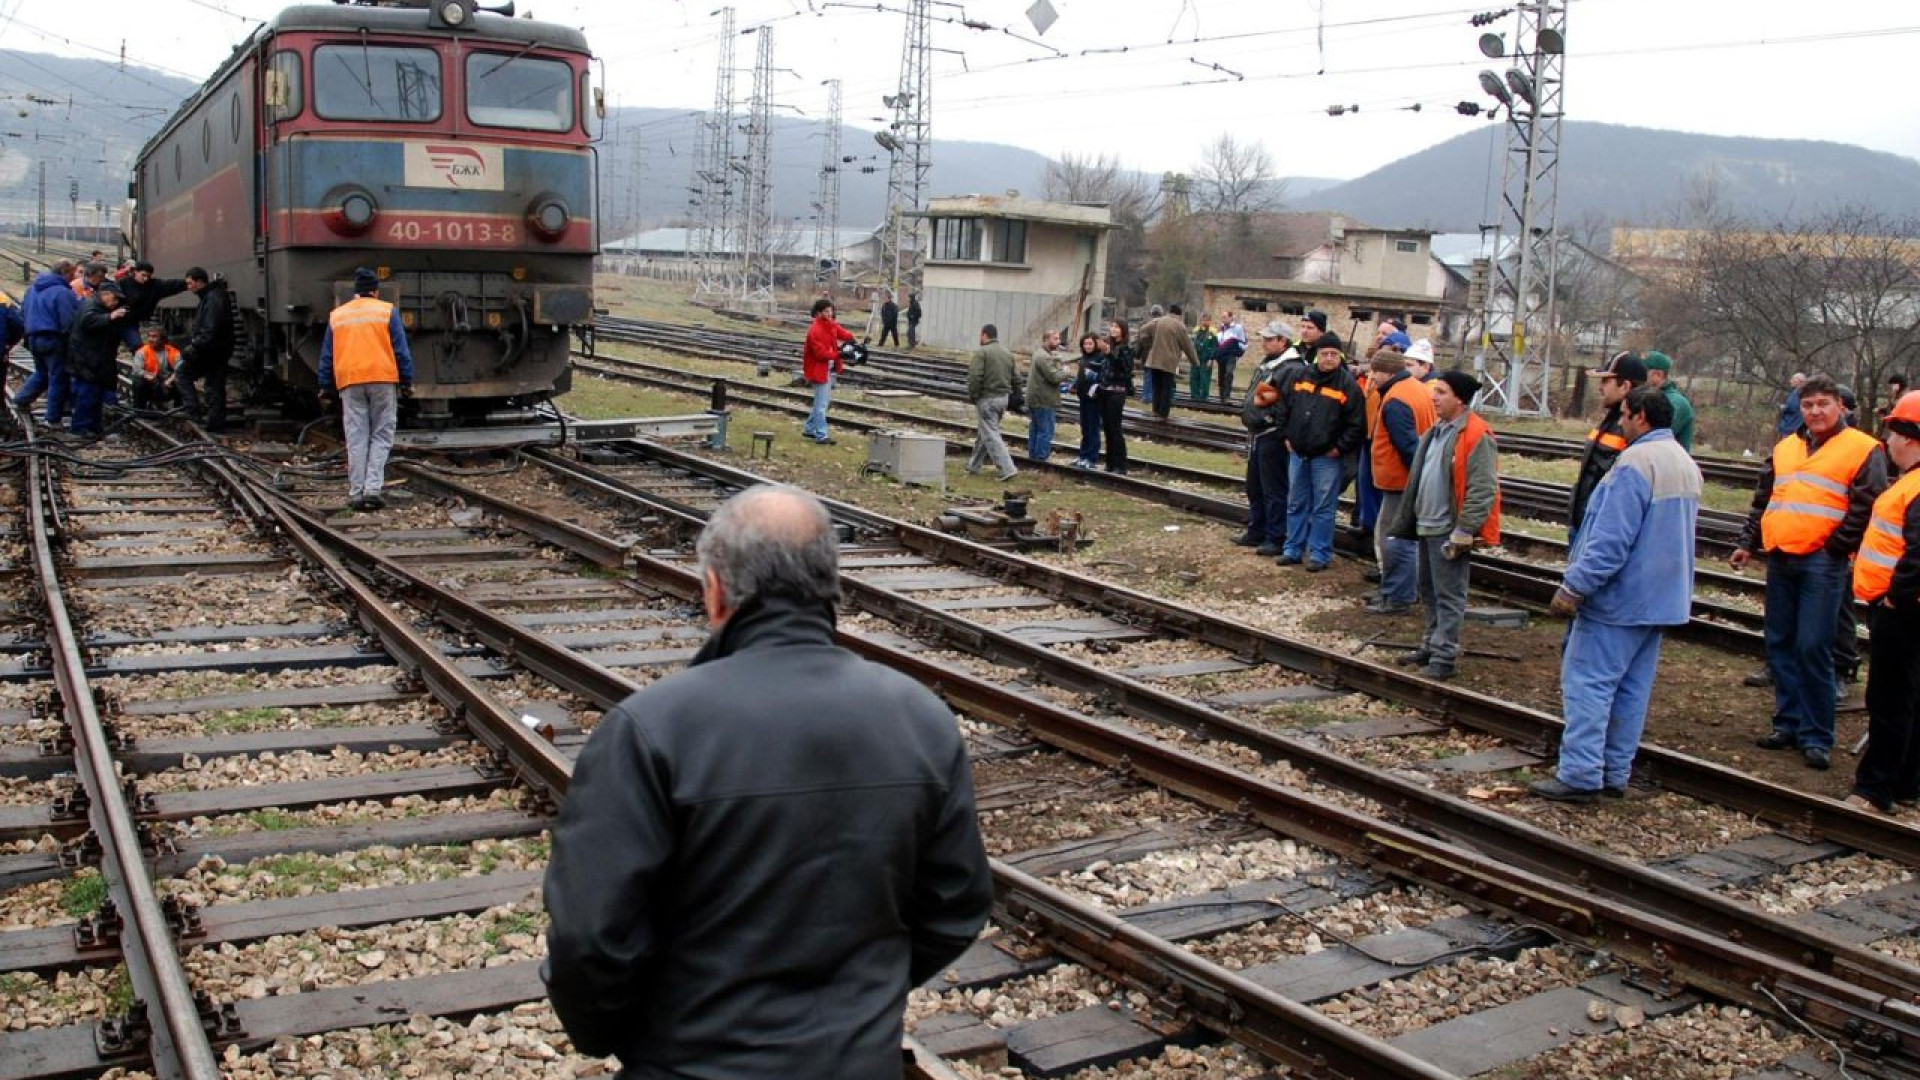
[[826, 205], [911, 144], [1530, 194], [713, 175], [756, 234]]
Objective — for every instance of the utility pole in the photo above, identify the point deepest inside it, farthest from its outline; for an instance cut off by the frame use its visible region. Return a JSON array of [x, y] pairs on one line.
[[826, 206], [756, 271], [73, 201], [713, 171], [910, 140], [1533, 93], [40, 229]]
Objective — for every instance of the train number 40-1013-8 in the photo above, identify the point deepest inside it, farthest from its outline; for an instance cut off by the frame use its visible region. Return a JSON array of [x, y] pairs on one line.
[[443, 231]]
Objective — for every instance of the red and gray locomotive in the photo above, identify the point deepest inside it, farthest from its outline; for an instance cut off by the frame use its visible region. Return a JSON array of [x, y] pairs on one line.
[[446, 147]]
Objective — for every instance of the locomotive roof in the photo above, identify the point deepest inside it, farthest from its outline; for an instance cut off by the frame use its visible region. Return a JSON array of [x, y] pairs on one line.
[[381, 20], [486, 26]]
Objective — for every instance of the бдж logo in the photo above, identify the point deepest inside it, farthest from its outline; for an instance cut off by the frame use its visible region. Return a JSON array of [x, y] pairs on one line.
[[461, 166]]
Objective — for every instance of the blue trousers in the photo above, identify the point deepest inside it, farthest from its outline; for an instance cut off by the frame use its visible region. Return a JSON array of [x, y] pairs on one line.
[[1606, 681], [816, 425], [1399, 558], [87, 400], [1804, 593], [1366, 497], [1040, 434], [49, 375], [1313, 495], [1090, 421], [1267, 469]]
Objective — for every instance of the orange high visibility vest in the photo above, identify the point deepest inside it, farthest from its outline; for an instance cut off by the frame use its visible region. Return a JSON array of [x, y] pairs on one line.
[[1809, 497], [1389, 472], [1608, 439], [1886, 540], [1470, 436], [362, 344], [150, 361]]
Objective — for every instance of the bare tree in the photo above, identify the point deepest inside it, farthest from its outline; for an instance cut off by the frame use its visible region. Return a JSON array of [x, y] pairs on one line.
[[1128, 195], [1235, 178]]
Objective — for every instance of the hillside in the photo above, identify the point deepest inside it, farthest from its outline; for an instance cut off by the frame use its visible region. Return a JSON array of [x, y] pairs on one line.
[[1613, 174]]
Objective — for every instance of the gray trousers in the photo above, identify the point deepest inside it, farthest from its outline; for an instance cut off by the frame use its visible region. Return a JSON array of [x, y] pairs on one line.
[[987, 440], [369, 413], [1443, 592]]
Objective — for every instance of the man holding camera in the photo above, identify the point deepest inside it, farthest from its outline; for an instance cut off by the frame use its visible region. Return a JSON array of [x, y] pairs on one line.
[[820, 361], [364, 361]]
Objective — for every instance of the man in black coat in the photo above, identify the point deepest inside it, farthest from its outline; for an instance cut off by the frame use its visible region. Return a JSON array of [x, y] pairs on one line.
[[1323, 417], [761, 854], [140, 294], [208, 349], [1622, 372], [889, 322], [93, 343]]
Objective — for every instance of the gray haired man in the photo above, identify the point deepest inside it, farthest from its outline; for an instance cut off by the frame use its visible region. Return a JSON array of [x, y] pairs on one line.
[[761, 854]]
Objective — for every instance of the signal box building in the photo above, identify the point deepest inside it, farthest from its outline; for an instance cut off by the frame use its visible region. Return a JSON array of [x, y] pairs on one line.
[[1023, 265]]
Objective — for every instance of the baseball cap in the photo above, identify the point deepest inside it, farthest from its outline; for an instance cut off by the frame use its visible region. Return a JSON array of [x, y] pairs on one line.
[[1276, 330], [1624, 365], [1658, 361]]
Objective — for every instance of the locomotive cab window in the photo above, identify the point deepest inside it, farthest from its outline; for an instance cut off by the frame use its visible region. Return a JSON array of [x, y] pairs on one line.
[[505, 90], [376, 82], [283, 85]]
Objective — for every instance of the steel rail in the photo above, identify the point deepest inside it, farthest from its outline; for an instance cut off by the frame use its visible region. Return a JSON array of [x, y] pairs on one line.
[[1280, 1027], [1713, 623], [1794, 810], [1498, 836], [1291, 1032], [1725, 957], [533, 758], [1731, 471], [167, 1014]]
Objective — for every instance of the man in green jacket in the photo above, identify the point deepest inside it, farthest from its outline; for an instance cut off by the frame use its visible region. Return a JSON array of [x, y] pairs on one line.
[[1044, 377], [990, 375], [1660, 377]]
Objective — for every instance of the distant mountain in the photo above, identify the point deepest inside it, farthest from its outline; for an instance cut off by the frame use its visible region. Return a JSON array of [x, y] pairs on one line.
[[86, 119], [1610, 174]]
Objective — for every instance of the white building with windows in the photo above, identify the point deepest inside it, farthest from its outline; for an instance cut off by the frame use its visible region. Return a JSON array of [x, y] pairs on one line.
[[1021, 264]]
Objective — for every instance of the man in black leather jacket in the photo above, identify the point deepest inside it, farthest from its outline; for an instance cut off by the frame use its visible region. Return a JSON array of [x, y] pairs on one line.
[[761, 854]]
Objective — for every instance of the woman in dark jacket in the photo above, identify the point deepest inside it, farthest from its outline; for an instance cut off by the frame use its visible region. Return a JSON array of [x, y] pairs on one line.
[[1116, 385], [1086, 390]]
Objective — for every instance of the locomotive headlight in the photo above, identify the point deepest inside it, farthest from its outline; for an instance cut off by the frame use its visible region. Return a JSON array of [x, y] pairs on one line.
[[549, 218], [354, 209], [357, 210], [453, 13]]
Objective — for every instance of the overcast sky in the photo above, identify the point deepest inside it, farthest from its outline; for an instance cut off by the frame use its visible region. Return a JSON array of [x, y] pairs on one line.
[[1134, 77]]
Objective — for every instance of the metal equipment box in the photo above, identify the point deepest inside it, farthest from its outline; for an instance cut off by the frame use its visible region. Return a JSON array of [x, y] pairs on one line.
[[909, 457]]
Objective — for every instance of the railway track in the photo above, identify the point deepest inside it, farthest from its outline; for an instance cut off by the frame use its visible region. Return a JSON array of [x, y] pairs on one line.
[[1717, 530], [1216, 496], [1157, 858]]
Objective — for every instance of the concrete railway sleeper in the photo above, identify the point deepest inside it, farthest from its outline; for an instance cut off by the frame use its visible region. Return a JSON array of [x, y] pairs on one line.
[[1403, 853]]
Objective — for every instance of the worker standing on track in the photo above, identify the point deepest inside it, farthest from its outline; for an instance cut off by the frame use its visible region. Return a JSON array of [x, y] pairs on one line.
[[1267, 458], [1886, 577], [49, 311], [1451, 503], [208, 349], [365, 361], [1660, 377], [819, 362], [762, 853], [1810, 510], [1622, 590], [92, 345], [1406, 413], [990, 376], [1324, 420]]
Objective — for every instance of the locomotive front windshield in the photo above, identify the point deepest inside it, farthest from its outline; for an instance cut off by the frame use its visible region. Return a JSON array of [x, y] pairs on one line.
[[506, 90], [376, 82]]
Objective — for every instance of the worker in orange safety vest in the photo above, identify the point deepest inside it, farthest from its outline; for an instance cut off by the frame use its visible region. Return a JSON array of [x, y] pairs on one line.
[[1810, 511], [364, 361], [1886, 577], [154, 365]]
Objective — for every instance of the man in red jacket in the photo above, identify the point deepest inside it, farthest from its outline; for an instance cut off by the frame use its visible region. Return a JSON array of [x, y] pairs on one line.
[[819, 363]]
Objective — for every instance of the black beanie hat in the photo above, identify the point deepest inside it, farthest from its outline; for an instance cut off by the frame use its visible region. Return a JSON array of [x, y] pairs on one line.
[[1463, 385], [1317, 318], [365, 281]]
